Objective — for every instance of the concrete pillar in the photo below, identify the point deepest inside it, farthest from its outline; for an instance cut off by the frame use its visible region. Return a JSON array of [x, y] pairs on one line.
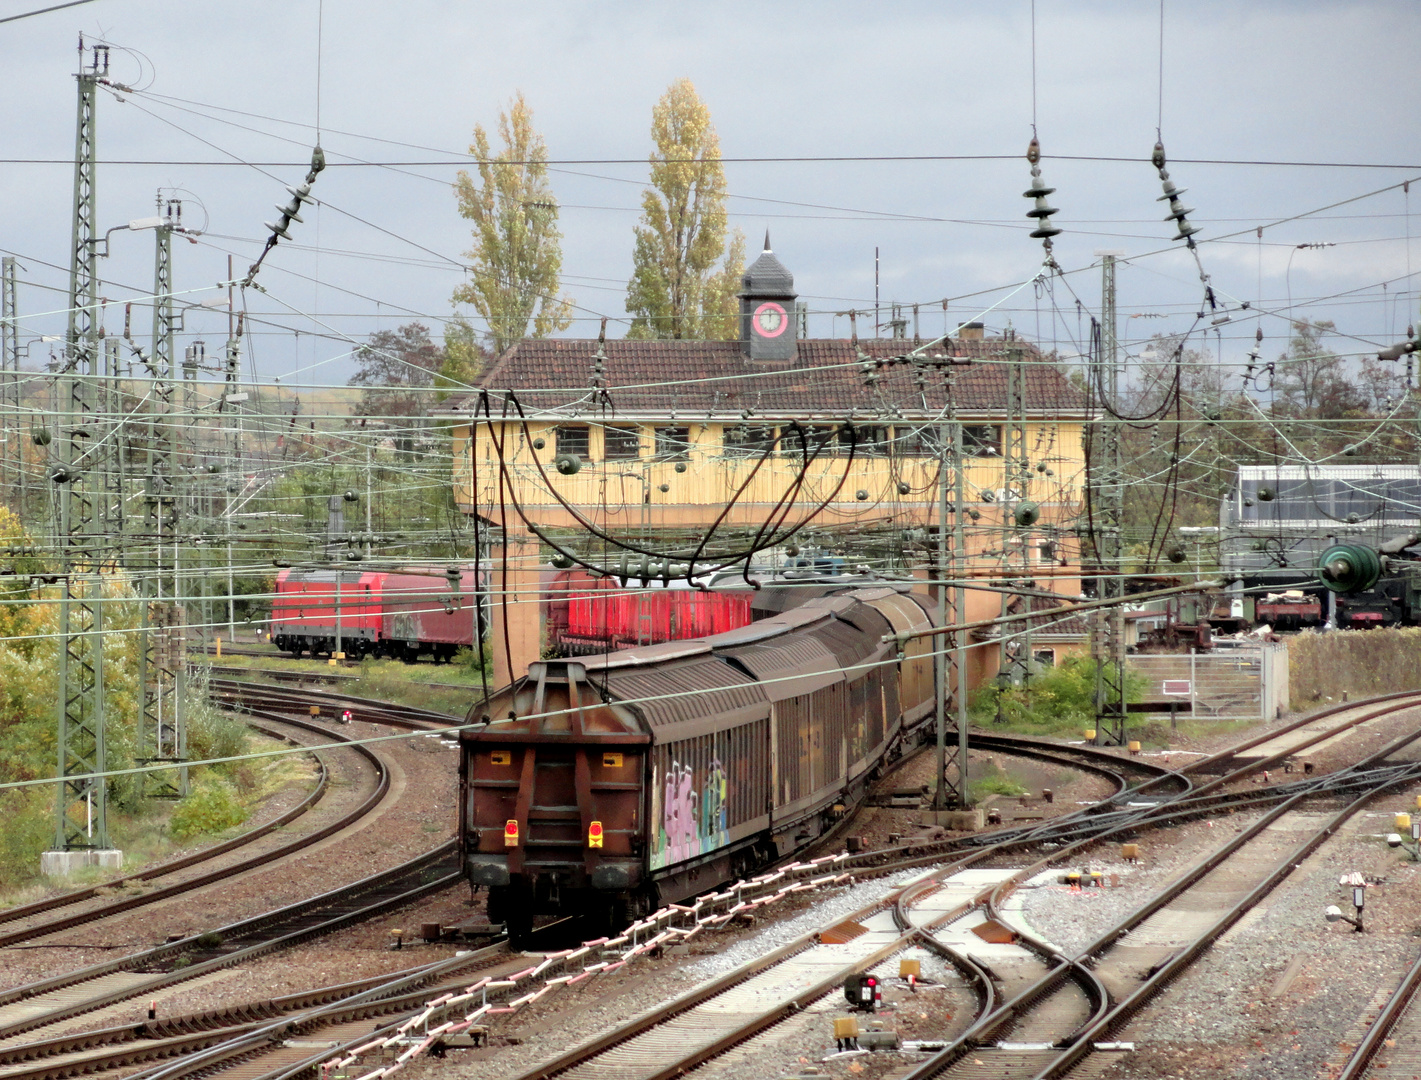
[[65, 863], [516, 614]]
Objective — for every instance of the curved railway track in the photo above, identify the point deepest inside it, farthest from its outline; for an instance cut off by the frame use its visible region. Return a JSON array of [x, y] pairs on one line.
[[1056, 1015], [262, 703], [1031, 1035], [36, 1004], [1083, 1011], [164, 892]]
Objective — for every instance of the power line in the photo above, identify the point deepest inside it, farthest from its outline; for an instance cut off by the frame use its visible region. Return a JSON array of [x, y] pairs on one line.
[[44, 10]]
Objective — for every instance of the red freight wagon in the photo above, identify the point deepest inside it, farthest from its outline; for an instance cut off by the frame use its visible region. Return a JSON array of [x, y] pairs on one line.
[[594, 614], [400, 615]]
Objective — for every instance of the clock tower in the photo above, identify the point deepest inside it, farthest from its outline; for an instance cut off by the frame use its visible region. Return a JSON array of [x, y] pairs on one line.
[[767, 296]]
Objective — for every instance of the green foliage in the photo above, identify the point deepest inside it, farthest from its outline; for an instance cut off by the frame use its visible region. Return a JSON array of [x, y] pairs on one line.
[[396, 369], [28, 814], [517, 253], [994, 785], [29, 655], [675, 290], [211, 805], [464, 357], [1060, 699]]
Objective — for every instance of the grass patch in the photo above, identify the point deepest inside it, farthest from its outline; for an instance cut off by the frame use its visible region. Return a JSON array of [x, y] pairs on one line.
[[991, 779], [211, 805]]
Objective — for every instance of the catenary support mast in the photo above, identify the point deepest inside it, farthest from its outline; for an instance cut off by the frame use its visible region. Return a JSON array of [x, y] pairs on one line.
[[81, 818], [1107, 497]]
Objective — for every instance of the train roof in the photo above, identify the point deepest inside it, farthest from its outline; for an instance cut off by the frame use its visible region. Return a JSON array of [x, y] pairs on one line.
[[680, 689]]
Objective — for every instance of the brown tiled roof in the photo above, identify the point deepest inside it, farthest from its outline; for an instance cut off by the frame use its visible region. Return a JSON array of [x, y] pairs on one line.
[[1044, 620], [714, 378]]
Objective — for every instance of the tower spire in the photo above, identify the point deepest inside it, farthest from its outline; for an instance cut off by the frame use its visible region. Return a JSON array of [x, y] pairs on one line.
[[767, 240]]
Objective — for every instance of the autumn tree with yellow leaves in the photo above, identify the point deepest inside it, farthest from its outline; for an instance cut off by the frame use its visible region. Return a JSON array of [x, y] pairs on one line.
[[516, 257], [684, 281]]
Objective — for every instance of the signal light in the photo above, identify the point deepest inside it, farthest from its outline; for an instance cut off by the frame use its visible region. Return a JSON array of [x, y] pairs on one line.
[[346, 716], [510, 833], [862, 992], [594, 834]]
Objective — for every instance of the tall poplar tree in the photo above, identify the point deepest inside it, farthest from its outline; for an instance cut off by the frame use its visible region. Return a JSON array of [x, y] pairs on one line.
[[517, 253], [676, 288]]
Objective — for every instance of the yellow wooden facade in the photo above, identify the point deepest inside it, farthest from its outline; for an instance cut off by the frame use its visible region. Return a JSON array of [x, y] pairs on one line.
[[511, 482]]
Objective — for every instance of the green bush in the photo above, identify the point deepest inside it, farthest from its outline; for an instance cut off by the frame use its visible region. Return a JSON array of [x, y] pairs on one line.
[[29, 829], [211, 805], [1059, 699]]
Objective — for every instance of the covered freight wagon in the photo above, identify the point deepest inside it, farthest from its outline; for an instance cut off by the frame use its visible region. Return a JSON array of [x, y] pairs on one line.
[[622, 781], [594, 614]]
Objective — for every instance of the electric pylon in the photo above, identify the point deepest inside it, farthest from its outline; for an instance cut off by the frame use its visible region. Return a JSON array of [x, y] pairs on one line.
[[81, 819], [12, 459], [1107, 516], [162, 730]]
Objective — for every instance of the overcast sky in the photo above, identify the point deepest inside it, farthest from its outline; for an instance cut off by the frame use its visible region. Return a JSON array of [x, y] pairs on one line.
[[1260, 82]]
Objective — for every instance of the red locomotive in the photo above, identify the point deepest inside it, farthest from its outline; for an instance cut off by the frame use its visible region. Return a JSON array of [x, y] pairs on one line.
[[590, 614], [399, 615]]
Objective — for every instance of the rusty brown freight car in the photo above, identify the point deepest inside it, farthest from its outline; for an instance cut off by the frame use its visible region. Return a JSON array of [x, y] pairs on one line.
[[617, 783]]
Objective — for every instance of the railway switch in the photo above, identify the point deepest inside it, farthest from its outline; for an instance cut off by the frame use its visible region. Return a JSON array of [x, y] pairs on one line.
[[594, 834], [863, 992], [510, 833]]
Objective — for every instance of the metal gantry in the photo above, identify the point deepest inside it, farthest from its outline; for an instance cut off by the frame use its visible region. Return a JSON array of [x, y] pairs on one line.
[[81, 819], [1106, 494]]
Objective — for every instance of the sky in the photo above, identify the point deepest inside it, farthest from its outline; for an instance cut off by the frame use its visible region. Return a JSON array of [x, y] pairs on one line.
[[1272, 114]]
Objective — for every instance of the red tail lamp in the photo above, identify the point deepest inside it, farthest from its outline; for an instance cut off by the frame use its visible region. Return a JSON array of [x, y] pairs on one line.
[[594, 835], [510, 833]]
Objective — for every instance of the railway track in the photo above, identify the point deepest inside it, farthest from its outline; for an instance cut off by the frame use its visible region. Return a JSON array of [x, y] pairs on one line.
[[266, 705], [1063, 1000], [1035, 1035], [248, 696], [34, 1005], [44, 926], [951, 893], [37, 1004]]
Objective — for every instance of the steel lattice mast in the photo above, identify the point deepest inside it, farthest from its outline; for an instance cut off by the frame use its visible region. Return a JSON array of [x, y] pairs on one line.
[[81, 820], [1014, 659], [12, 457], [162, 735], [1107, 516]]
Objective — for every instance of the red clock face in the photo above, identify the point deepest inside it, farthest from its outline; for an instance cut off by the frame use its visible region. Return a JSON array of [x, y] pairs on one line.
[[769, 319]]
